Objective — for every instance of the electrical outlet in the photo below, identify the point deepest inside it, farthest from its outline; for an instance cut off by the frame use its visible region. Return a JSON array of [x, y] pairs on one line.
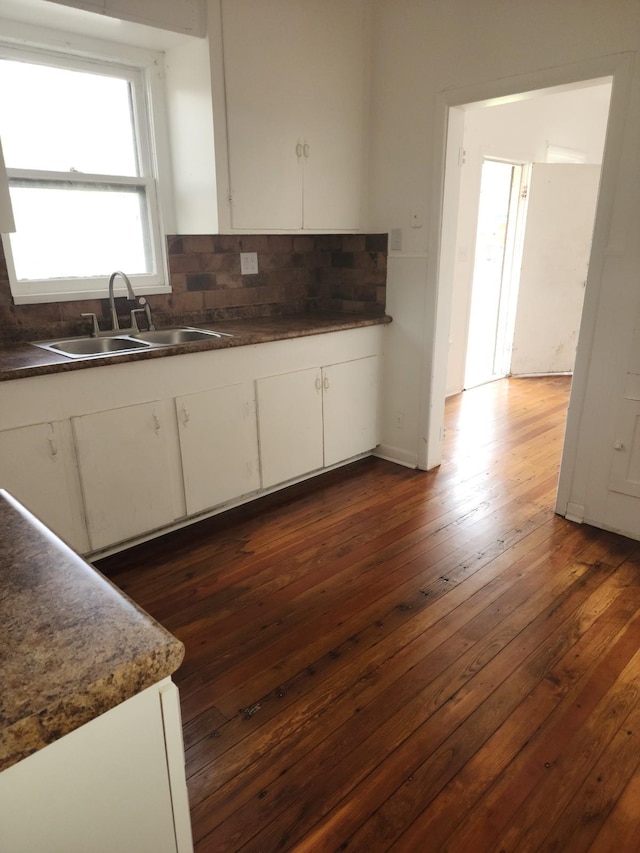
[[395, 243], [249, 263], [398, 420]]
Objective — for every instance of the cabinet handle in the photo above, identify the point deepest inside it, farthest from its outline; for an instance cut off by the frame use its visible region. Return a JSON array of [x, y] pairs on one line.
[[318, 384], [325, 384], [305, 149], [186, 417], [53, 447], [156, 423], [299, 150]]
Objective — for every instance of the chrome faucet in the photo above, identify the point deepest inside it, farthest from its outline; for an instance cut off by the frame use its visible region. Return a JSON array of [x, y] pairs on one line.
[[112, 302]]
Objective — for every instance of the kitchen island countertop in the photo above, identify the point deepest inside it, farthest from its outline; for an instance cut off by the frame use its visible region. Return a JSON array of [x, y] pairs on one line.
[[72, 646]]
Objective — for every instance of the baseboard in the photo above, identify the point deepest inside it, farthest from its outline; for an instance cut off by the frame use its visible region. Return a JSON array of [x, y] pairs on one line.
[[397, 455]]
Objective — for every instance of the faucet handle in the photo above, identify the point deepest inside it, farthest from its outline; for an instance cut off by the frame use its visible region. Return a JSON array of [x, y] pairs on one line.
[[147, 311], [134, 321], [95, 330]]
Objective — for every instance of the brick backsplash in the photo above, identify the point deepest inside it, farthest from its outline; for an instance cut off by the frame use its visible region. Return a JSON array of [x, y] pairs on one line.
[[343, 273]]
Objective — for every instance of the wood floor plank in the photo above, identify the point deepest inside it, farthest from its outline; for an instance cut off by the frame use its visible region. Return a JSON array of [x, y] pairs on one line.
[[385, 659]]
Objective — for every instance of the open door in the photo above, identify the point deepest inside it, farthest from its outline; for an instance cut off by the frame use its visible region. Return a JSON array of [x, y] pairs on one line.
[[561, 210]]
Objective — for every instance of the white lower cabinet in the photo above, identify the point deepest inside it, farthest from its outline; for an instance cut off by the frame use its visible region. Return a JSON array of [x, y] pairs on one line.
[[109, 455], [218, 445], [115, 784], [125, 458], [350, 408], [290, 424], [36, 466], [317, 417]]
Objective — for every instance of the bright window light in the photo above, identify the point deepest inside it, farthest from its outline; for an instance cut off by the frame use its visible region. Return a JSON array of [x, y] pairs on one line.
[[76, 140]]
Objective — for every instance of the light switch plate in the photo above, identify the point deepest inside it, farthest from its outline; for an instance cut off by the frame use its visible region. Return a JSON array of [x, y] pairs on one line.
[[249, 263]]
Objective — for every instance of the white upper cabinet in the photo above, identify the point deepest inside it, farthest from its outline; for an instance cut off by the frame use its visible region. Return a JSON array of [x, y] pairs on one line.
[[295, 84], [182, 16]]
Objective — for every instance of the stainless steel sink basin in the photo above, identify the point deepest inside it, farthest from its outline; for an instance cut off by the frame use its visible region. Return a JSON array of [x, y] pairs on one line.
[[123, 342], [167, 337], [83, 347]]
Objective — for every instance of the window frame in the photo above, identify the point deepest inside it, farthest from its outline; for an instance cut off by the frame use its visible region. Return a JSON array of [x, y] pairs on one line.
[[143, 70]]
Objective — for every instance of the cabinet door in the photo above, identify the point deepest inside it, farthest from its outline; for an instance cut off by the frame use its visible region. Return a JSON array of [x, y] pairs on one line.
[[334, 114], [218, 445], [102, 788], [36, 466], [126, 458], [296, 94], [263, 60], [350, 408], [290, 425]]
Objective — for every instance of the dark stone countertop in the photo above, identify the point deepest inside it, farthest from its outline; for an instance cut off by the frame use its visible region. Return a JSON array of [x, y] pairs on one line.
[[72, 645], [18, 361]]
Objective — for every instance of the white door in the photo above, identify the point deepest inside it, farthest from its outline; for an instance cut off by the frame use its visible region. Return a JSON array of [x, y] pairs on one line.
[[218, 444], [495, 279], [555, 258], [290, 425], [35, 464], [350, 407], [127, 458]]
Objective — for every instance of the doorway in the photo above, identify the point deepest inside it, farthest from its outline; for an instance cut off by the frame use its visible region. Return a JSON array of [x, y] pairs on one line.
[[497, 255], [497, 139]]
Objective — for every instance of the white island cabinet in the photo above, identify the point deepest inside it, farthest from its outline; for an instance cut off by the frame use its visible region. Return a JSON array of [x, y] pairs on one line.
[[91, 750], [114, 784]]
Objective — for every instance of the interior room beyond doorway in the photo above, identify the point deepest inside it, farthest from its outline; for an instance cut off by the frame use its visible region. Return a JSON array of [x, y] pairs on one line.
[[524, 324]]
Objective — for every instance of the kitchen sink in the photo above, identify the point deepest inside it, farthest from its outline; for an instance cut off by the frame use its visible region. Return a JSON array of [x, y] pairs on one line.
[[83, 347], [167, 337], [127, 341]]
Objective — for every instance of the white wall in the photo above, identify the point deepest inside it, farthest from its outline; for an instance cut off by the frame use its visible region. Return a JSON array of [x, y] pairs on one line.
[[428, 53], [517, 131]]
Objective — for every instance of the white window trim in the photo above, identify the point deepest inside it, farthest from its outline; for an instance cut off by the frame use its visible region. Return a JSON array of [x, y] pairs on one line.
[[38, 45]]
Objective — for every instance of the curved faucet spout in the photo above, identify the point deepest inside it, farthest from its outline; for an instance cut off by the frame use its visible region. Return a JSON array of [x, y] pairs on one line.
[[112, 302]]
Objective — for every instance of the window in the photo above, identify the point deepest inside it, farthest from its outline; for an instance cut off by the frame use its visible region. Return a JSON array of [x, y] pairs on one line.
[[77, 147]]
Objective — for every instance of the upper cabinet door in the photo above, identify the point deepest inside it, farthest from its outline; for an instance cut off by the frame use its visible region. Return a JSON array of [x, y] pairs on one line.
[[263, 55], [295, 82], [334, 115]]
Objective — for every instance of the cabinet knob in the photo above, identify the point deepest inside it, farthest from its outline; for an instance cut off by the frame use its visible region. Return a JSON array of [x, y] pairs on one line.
[[156, 423], [305, 149], [299, 150], [618, 445], [318, 383], [186, 417], [53, 447], [325, 383]]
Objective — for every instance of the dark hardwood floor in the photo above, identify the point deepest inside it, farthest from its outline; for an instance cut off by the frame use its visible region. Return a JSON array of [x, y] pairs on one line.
[[389, 659]]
